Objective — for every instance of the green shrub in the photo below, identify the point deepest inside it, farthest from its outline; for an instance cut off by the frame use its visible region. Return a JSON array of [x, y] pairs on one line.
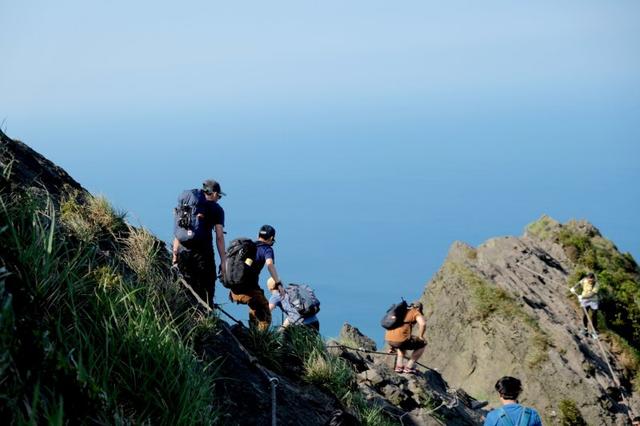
[[542, 228], [91, 219], [332, 373], [570, 414]]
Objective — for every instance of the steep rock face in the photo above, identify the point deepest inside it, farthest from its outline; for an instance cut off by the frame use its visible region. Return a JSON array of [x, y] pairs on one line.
[[29, 169], [504, 309]]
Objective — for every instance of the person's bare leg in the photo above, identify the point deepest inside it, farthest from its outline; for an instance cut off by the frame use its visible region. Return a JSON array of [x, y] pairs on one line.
[[399, 358], [415, 356]]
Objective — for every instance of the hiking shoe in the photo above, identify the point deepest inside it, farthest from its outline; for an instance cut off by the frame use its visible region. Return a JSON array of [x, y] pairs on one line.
[[409, 370], [399, 369], [594, 336]]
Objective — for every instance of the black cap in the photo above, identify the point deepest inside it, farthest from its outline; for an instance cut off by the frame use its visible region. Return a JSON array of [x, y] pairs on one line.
[[211, 185], [267, 231]]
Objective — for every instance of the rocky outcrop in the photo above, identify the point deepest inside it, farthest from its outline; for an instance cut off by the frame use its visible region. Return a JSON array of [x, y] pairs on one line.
[[420, 399], [504, 308], [29, 169]]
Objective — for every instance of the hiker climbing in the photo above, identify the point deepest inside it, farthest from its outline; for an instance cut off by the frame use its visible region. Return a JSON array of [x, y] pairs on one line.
[[588, 299], [197, 215], [245, 260], [511, 413], [298, 302], [399, 322]]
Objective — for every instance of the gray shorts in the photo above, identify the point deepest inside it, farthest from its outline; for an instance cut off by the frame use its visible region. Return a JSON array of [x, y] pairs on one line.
[[589, 303]]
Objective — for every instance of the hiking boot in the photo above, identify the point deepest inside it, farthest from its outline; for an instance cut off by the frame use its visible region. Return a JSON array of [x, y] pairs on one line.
[[594, 336]]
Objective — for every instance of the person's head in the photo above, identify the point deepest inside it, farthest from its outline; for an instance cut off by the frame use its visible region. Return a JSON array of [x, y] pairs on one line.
[[636, 421], [590, 276], [416, 304], [509, 388], [267, 234], [212, 190], [272, 285]]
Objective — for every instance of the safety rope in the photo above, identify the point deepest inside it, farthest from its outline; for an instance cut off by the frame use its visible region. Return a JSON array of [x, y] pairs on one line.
[[603, 352], [341, 346], [273, 381]]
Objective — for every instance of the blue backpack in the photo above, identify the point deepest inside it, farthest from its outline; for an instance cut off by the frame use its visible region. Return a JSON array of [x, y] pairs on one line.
[[525, 416], [188, 228]]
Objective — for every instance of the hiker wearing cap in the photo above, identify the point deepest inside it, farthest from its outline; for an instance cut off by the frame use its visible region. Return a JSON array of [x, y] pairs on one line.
[[197, 216], [588, 299], [280, 299], [251, 294], [511, 413], [401, 338]]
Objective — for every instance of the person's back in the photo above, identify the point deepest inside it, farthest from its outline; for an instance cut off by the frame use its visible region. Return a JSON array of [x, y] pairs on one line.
[[280, 298], [516, 414], [511, 413]]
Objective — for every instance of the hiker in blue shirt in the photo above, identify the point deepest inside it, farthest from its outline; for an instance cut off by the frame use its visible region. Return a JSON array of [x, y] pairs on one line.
[[511, 413], [280, 299], [252, 294]]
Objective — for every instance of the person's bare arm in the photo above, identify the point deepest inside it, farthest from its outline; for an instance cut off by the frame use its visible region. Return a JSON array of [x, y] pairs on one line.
[[176, 244], [272, 270], [422, 326], [219, 229]]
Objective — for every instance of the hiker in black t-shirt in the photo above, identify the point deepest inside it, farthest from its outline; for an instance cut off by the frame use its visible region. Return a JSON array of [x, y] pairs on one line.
[[193, 251]]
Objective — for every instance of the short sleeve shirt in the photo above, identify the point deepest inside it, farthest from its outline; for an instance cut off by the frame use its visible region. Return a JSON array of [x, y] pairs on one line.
[[264, 252], [213, 215], [513, 411], [403, 332], [289, 311]]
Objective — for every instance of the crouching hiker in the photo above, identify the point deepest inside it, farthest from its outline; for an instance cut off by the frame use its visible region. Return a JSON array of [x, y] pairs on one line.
[[401, 338], [511, 413], [589, 302], [280, 298], [249, 292]]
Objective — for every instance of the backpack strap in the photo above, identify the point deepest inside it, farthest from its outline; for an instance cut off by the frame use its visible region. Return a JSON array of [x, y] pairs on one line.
[[525, 416], [504, 419]]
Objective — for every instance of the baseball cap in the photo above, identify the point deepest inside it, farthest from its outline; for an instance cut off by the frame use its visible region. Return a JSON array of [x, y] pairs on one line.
[[211, 185], [267, 231]]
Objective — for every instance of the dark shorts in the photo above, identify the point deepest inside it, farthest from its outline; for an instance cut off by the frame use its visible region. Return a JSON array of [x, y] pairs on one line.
[[411, 344]]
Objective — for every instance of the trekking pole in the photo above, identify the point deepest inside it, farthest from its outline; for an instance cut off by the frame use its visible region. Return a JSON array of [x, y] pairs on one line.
[[274, 384]]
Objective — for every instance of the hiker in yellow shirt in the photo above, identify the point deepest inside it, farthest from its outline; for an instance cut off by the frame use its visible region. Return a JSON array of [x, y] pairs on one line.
[[589, 302]]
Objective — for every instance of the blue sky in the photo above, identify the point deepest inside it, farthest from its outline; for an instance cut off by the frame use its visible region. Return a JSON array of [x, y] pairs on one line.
[[371, 135]]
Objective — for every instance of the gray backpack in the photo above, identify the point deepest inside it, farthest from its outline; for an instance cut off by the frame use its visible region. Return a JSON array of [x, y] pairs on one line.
[[303, 299]]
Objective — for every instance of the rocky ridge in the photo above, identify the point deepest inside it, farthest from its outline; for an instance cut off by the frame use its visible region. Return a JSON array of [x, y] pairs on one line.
[[504, 308]]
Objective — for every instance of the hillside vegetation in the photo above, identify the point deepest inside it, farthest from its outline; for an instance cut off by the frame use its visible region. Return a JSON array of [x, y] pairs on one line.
[[95, 328]]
